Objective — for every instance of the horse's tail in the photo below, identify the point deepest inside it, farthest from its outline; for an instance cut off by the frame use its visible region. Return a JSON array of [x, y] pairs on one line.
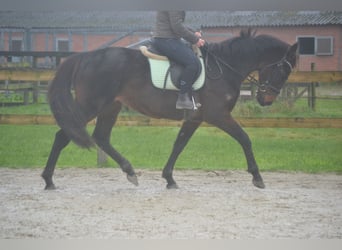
[[67, 112]]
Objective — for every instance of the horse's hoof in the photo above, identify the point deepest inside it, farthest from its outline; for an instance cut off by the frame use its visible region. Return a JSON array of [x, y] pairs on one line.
[[172, 186], [50, 187], [258, 183], [133, 179]]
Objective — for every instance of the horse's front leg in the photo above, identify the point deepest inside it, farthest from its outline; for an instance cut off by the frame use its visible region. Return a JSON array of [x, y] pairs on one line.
[[187, 130], [230, 126]]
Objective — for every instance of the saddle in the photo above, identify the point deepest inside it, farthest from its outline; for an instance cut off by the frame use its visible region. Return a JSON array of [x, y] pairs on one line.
[[166, 73]]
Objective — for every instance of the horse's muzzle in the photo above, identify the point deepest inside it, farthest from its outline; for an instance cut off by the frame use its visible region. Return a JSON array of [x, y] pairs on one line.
[[265, 99]]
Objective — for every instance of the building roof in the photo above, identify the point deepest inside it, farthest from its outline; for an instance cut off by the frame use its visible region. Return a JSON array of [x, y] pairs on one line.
[[144, 20], [270, 18], [77, 20]]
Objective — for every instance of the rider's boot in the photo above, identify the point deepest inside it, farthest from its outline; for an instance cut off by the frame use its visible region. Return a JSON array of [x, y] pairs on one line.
[[184, 101]]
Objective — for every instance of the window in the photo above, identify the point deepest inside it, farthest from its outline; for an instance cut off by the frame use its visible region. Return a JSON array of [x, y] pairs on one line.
[[324, 46], [62, 45], [17, 44], [315, 45], [306, 45]]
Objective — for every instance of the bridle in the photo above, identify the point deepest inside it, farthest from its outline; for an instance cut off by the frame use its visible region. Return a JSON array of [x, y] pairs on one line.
[[263, 87]]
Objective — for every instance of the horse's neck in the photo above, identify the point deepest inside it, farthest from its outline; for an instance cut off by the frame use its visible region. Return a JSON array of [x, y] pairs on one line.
[[241, 64]]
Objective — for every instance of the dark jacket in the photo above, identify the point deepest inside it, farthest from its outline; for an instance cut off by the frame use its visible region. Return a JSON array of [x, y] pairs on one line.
[[170, 24]]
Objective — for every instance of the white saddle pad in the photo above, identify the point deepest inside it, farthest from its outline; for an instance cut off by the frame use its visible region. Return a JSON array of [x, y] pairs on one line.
[[159, 70]]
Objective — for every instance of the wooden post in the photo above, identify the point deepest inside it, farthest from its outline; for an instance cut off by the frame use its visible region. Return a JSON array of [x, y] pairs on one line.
[[312, 91], [58, 61], [283, 92], [253, 90], [26, 96], [101, 158], [35, 92], [313, 96], [34, 63], [309, 96]]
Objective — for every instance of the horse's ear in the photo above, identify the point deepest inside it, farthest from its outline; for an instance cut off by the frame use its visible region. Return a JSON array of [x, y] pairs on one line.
[[291, 54], [292, 50]]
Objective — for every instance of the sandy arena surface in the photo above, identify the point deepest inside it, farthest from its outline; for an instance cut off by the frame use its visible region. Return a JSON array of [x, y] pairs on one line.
[[101, 203]]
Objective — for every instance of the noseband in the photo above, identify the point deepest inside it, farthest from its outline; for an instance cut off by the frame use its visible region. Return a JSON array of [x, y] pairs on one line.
[[263, 87]]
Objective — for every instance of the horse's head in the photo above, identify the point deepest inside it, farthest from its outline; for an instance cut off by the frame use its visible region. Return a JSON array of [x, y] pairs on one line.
[[273, 76]]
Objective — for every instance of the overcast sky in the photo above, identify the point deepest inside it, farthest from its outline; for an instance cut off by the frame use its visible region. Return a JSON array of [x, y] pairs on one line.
[[112, 5]]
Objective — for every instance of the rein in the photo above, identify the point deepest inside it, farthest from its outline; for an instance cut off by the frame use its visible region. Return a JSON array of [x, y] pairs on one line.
[[250, 78]]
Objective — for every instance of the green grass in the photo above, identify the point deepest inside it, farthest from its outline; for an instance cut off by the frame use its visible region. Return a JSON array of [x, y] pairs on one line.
[[306, 150], [31, 109]]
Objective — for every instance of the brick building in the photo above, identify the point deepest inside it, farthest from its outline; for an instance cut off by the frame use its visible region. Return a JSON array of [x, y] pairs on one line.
[[319, 33]]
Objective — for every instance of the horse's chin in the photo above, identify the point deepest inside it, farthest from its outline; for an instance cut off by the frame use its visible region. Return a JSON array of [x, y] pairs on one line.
[[265, 100]]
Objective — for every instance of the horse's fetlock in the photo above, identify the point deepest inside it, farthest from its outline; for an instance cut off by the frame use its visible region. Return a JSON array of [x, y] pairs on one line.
[[127, 168]]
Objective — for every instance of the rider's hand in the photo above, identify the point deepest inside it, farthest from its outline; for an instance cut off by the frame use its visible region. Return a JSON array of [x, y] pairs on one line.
[[198, 34], [200, 42]]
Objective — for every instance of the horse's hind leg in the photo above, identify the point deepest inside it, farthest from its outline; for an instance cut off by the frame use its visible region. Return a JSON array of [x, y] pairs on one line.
[[61, 141], [104, 124]]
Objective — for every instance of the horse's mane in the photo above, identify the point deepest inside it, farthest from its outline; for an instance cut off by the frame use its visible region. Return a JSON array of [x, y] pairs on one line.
[[248, 45]]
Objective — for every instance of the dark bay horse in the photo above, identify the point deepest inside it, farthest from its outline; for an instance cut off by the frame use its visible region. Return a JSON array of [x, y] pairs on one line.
[[105, 79]]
